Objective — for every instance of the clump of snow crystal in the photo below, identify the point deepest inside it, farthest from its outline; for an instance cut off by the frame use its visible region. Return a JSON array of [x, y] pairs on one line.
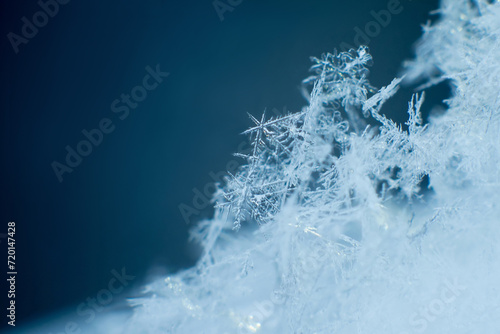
[[326, 230]]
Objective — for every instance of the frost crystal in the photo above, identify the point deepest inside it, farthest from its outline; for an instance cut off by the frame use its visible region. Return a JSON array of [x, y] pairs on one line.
[[335, 234]]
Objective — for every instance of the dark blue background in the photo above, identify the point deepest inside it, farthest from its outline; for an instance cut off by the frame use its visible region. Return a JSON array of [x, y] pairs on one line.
[[119, 207]]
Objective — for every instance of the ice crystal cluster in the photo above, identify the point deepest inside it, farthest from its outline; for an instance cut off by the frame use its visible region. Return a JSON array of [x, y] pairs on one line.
[[343, 221]]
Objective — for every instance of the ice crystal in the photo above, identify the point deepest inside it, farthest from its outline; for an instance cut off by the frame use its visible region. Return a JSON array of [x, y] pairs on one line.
[[335, 234]]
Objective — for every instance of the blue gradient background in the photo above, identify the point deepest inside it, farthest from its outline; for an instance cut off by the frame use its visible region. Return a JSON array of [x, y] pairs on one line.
[[119, 208]]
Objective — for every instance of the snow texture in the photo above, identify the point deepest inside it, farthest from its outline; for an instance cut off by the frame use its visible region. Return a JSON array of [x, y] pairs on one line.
[[327, 228]]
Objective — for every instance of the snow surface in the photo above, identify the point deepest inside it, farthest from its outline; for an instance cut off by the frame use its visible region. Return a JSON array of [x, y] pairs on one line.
[[327, 229]]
